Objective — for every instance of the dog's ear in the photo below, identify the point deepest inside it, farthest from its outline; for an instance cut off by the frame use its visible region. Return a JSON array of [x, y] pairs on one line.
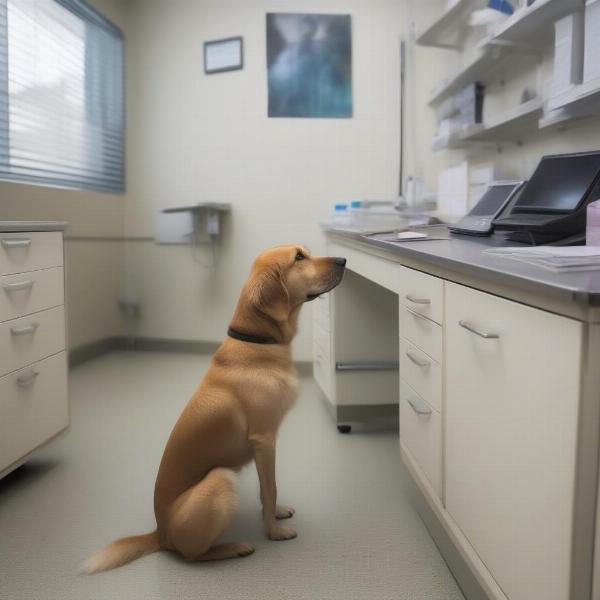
[[269, 294]]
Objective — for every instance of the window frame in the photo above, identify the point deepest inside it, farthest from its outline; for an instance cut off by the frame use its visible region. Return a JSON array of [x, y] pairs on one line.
[[89, 15]]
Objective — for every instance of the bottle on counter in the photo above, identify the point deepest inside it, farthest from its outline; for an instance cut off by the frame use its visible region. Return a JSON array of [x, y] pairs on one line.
[[341, 218]]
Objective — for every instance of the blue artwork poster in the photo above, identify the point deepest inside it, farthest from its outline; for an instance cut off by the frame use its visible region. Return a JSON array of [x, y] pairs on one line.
[[309, 65]]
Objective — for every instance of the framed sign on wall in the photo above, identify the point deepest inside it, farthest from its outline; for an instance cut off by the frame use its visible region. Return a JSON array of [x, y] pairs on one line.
[[223, 55]]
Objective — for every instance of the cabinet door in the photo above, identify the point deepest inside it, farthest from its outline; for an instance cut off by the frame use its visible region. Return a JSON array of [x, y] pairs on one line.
[[511, 421]]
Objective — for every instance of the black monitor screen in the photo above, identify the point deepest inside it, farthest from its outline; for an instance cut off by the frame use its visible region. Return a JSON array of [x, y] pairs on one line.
[[491, 202], [559, 183]]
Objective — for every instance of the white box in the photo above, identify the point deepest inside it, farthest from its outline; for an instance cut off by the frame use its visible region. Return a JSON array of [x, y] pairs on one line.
[[453, 190], [174, 228], [591, 60], [568, 53]]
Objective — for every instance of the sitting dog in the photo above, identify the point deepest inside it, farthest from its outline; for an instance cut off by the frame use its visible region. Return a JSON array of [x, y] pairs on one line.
[[233, 418]]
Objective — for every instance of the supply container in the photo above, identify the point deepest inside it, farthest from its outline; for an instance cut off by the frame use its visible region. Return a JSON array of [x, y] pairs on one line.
[[592, 232], [591, 64], [340, 218]]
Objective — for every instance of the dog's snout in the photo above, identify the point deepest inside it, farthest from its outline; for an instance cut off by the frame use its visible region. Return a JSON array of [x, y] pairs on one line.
[[340, 262]]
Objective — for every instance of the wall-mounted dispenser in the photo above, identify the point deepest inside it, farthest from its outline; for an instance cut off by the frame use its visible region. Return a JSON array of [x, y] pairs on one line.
[[192, 224]]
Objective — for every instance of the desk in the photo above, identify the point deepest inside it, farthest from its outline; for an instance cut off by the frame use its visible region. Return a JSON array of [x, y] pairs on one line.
[[498, 395]]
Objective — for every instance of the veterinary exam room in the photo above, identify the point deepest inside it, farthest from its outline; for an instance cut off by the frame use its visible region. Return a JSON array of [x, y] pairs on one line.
[[299, 299]]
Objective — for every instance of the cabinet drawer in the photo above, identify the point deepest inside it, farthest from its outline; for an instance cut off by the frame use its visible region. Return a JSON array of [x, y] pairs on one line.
[[22, 252], [422, 293], [421, 332], [29, 339], [33, 407], [422, 373], [27, 293], [421, 434]]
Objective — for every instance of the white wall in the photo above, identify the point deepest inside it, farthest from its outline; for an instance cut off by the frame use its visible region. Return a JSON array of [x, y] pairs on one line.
[[94, 260], [194, 137]]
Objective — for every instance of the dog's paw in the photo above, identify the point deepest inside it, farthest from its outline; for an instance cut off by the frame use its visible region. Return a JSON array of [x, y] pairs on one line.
[[244, 549], [284, 512], [279, 533]]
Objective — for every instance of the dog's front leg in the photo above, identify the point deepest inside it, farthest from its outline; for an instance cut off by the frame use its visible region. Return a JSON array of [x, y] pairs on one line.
[[264, 457]]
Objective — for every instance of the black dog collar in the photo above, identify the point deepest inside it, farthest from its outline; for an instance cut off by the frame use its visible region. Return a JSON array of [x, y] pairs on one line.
[[253, 339]]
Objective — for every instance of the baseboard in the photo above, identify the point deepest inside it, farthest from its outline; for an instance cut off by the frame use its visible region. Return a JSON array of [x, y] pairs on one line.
[[95, 349], [304, 367], [148, 344], [86, 352]]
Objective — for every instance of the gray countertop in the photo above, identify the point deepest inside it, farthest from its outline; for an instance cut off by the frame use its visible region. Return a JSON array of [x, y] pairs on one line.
[[24, 226], [464, 254]]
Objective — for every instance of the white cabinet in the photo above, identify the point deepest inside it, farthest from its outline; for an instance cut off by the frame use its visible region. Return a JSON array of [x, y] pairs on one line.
[[34, 403], [511, 409], [355, 350]]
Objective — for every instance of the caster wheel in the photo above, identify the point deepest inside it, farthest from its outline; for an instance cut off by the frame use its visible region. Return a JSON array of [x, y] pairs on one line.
[[344, 428]]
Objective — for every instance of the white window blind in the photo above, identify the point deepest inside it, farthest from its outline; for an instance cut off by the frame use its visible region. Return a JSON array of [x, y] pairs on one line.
[[61, 96]]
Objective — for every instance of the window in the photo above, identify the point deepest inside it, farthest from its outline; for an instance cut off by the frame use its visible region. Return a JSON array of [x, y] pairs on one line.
[[61, 96]]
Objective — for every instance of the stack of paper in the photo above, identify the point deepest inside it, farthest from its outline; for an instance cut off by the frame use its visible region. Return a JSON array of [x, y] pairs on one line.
[[565, 258]]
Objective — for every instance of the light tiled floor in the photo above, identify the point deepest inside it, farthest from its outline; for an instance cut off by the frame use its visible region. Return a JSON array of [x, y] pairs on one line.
[[359, 537]]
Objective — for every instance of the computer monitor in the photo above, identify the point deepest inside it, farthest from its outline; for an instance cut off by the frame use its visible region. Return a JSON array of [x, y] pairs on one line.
[[479, 219], [560, 184], [494, 199]]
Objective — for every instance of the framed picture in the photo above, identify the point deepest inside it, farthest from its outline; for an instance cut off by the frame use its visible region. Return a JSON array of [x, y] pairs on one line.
[[223, 55], [309, 65]]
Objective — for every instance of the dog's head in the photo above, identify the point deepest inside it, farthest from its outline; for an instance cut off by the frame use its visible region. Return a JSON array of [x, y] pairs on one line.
[[284, 277]]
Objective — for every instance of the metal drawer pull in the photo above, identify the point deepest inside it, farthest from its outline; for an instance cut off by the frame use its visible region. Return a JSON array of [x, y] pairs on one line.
[[484, 334], [28, 379], [418, 361], [419, 406], [24, 330], [16, 243], [414, 300], [15, 287], [367, 366]]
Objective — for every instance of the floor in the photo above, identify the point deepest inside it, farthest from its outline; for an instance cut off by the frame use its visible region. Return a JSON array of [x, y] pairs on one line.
[[359, 537]]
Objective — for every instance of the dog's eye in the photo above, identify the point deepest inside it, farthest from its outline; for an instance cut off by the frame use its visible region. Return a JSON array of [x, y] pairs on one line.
[[300, 256]]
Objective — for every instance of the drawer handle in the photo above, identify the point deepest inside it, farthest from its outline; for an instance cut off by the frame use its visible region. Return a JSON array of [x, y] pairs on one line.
[[24, 330], [419, 316], [367, 366], [15, 287], [419, 406], [414, 300], [16, 243], [418, 361], [484, 334], [28, 379]]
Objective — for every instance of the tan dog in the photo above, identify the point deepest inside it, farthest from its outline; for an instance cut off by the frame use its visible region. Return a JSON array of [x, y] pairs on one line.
[[233, 418]]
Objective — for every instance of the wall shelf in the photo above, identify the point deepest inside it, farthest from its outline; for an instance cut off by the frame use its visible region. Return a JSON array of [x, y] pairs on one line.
[[200, 206], [583, 97], [509, 125], [480, 68], [457, 140], [528, 25], [445, 32]]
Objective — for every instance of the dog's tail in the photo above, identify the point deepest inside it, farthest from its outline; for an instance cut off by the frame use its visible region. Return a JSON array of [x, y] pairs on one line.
[[120, 552]]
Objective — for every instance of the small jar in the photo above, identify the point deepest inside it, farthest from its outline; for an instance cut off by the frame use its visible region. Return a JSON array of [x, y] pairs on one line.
[[592, 232]]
